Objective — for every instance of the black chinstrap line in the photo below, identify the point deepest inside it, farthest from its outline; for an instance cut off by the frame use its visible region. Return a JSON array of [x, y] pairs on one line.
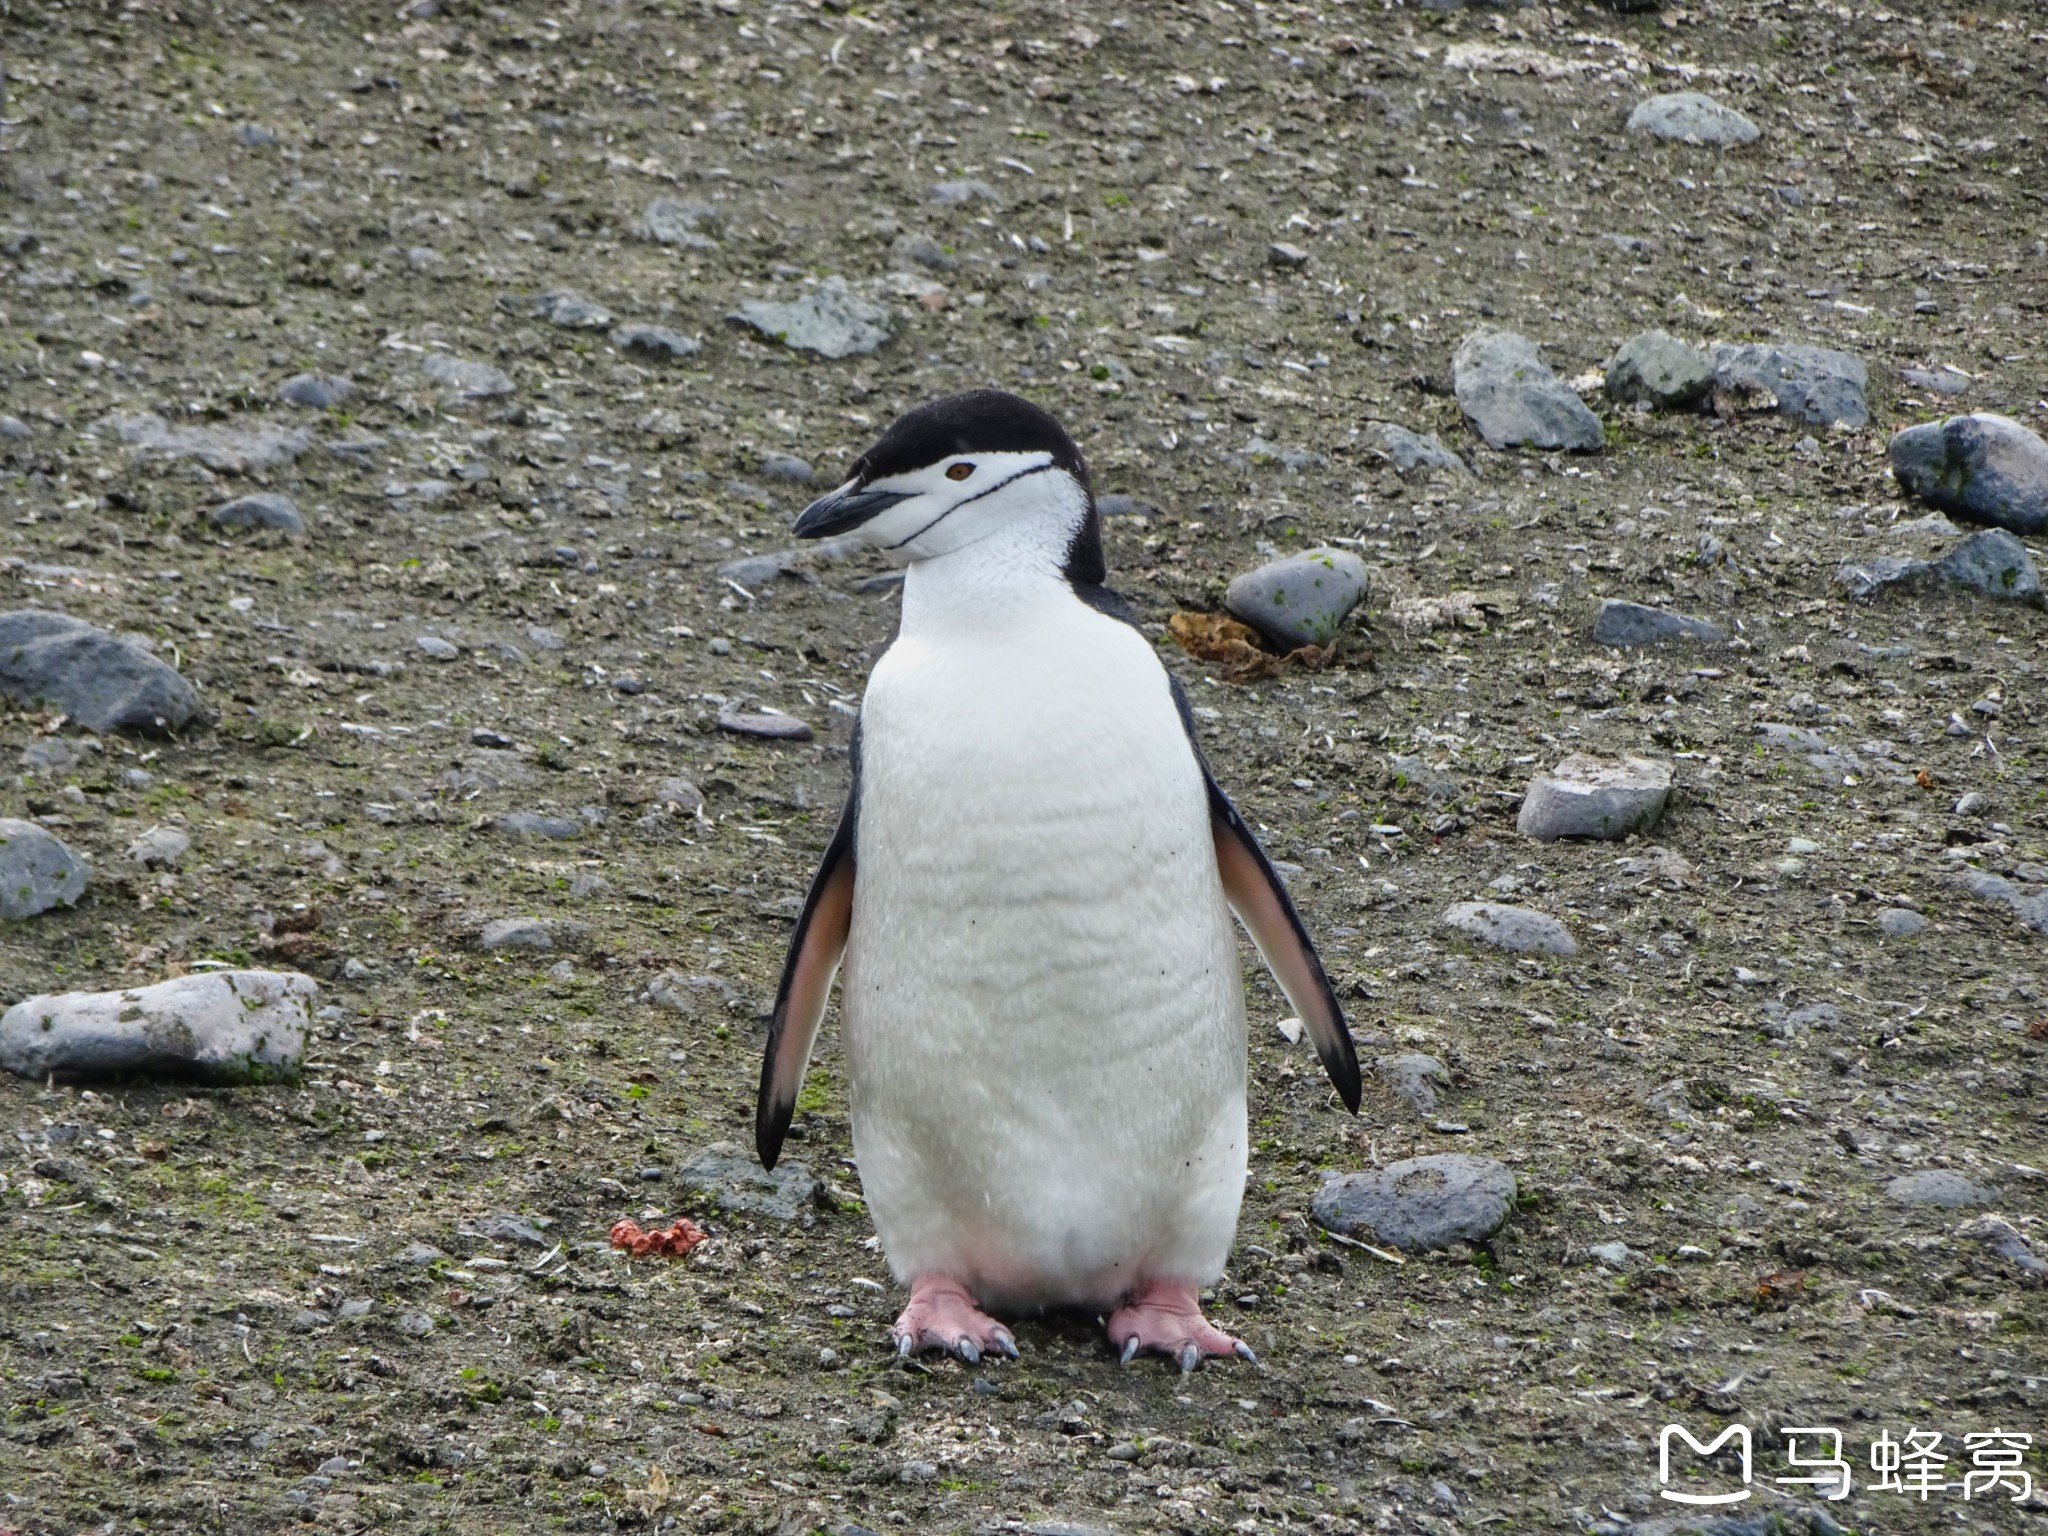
[[1036, 469]]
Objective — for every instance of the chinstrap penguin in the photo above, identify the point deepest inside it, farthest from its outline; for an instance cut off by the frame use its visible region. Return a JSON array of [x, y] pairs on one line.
[[1031, 889]]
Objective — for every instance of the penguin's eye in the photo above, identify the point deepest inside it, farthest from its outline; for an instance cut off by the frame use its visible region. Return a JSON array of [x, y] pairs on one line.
[[959, 471]]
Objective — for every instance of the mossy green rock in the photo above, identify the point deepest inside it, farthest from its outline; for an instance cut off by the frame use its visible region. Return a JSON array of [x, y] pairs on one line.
[[1301, 600]]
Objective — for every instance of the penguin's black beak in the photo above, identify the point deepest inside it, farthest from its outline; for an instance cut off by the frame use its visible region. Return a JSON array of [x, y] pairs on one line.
[[848, 507]]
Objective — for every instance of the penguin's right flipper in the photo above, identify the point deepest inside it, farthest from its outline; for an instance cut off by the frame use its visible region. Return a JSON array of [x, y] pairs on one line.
[[814, 954]]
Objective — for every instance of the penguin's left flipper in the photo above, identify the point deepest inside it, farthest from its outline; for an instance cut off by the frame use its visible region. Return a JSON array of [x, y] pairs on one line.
[[1261, 903], [807, 972]]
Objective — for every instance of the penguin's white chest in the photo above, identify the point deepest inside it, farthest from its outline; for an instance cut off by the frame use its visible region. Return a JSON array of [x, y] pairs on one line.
[[1042, 1009]]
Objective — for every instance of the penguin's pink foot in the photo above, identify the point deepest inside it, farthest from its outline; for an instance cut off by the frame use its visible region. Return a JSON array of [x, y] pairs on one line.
[[1165, 1318], [941, 1315]]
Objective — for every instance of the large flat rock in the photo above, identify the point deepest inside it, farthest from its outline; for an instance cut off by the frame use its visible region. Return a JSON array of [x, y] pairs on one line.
[[1584, 796], [735, 1182], [1420, 1204], [1692, 117], [1815, 385], [1513, 400], [231, 449], [1625, 623], [219, 1026], [1517, 930], [831, 320], [1985, 467], [53, 661]]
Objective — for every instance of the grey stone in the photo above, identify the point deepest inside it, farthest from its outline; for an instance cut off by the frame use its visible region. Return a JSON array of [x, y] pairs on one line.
[[756, 571], [1420, 1204], [221, 1026], [766, 726], [37, 872], [1623, 623], [927, 252], [1412, 450], [1692, 118], [687, 994], [60, 754], [315, 391], [232, 450], [1517, 930], [465, 378], [512, 1229], [678, 221], [680, 793], [416, 1324], [1436, 784], [831, 320], [1414, 1079], [1865, 579], [264, 509], [14, 428], [1586, 797], [1901, 923], [160, 848], [1294, 460], [571, 310], [438, 649], [1816, 385], [1658, 369], [2003, 1239], [544, 638], [964, 192], [2029, 906], [1513, 399], [1301, 600], [1938, 1186], [1975, 803], [656, 342], [1992, 563], [104, 684], [539, 824], [785, 466], [1290, 258], [1613, 1255], [1942, 382], [1782, 1023], [533, 934], [735, 1182], [1984, 467]]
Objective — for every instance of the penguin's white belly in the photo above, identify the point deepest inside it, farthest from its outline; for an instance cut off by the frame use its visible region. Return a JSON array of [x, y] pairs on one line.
[[1042, 1011]]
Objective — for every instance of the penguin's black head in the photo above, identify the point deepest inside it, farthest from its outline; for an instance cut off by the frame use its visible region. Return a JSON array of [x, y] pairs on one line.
[[963, 468]]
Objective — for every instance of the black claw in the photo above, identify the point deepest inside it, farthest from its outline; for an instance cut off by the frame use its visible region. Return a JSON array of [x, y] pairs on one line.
[[904, 1344], [970, 1351], [1130, 1350], [1005, 1343], [1190, 1357], [1244, 1352]]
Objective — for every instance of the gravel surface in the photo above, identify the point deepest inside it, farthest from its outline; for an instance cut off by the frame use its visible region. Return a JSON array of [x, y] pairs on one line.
[[1233, 248]]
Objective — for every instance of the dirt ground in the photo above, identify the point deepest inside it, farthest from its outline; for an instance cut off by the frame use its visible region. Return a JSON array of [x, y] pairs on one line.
[[221, 1312]]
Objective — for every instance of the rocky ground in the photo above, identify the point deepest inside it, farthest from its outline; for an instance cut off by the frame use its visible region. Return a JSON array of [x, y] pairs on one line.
[[463, 761]]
